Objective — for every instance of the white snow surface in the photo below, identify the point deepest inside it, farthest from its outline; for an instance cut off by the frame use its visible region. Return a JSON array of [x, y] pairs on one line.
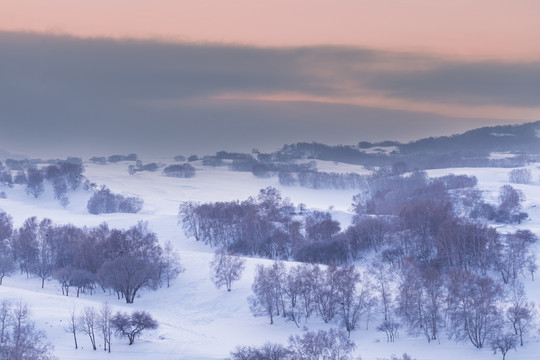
[[196, 320]]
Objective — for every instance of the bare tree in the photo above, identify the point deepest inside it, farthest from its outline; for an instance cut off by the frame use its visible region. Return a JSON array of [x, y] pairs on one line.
[[131, 326], [390, 328], [473, 310], [520, 176], [266, 293], [226, 268], [503, 343], [73, 325], [420, 299], [383, 278], [43, 263], [87, 324], [521, 313], [352, 296], [5, 317], [171, 263], [324, 292], [267, 351], [105, 326], [25, 341], [189, 218], [127, 275]]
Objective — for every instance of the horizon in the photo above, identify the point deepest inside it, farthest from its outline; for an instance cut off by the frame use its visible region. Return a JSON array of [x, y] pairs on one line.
[[171, 77]]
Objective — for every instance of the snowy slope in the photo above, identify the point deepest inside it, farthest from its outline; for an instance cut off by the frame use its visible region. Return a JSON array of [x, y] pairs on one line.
[[198, 321]]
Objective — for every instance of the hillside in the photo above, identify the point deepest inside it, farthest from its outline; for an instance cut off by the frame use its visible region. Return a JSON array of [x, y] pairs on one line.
[[197, 321]]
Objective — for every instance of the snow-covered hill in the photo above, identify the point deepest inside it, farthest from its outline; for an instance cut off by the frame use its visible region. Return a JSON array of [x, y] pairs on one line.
[[198, 321]]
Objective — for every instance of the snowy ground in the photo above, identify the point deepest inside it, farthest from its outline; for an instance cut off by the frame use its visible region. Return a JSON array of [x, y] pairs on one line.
[[197, 321]]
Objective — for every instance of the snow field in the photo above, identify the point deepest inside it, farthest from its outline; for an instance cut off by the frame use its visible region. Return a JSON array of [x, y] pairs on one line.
[[198, 321]]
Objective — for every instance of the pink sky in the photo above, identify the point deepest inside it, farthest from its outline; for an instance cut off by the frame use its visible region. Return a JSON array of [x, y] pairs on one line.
[[464, 28]]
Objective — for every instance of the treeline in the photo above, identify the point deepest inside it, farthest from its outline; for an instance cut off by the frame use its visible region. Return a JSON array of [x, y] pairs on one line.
[[470, 149], [63, 175], [122, 261]]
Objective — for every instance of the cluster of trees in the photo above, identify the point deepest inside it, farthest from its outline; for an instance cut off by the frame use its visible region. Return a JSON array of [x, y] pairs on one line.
[[113, 158], [105, 323], [180, 170], [325, 345], [64, 176], [520, 176], [322, 180], [19, 337], [139, 166], [507, 211], [103, 201], [121, 261], [339, 294], [262, 226], [425, 301]]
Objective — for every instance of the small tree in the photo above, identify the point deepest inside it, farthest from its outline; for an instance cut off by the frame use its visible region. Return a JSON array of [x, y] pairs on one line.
[[503, 343], [87, 324], [171, 263], [72, 326], [131, 326], [226, 269], [521, 313], [391, 328]]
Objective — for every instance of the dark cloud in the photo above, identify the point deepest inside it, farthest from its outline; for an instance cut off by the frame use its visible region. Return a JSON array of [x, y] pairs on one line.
[[102, 95]]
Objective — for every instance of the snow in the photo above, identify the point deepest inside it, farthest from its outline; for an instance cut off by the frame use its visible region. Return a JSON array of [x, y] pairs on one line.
[[198, 321], [501, 155]]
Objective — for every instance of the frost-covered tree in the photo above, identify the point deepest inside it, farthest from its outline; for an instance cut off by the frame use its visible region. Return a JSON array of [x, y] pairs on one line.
[[226, 268], [171, 266]]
